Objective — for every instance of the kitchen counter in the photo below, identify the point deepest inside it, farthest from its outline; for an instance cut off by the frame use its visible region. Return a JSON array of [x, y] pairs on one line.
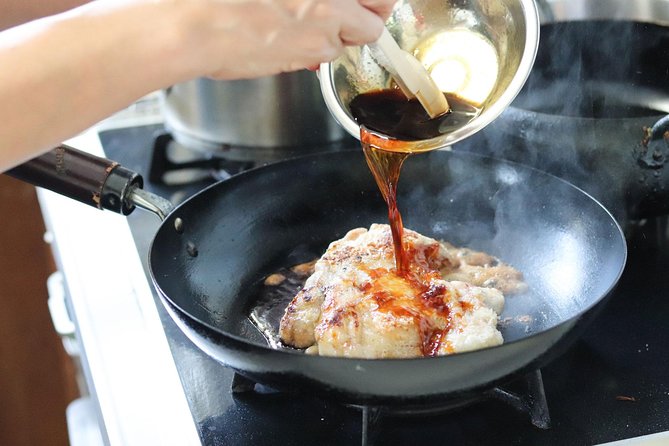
[[125, 355]]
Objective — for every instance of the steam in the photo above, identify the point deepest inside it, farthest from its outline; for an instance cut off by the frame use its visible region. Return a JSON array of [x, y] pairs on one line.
[[529, 220], [580, 116]]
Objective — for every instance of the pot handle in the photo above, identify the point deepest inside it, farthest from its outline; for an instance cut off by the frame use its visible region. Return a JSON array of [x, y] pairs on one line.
[[655, 145], [92, 180]]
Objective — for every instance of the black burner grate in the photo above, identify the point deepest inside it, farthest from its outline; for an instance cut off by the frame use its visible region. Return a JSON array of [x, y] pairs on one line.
[[192, 166], [526, 395]]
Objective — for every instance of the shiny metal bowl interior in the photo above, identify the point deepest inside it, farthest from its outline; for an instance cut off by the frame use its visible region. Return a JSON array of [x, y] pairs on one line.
[[509, 27]]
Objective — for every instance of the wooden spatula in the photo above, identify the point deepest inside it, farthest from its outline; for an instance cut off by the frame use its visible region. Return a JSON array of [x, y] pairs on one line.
[[409, 74]]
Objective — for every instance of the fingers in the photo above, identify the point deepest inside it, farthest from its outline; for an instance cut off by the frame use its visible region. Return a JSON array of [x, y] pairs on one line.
[[265, 37], [360, 25], [363, 20], [360, 21], [382, 8]]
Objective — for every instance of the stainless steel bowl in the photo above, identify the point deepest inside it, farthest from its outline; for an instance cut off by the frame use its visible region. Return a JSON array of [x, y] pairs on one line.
[[480, 50]]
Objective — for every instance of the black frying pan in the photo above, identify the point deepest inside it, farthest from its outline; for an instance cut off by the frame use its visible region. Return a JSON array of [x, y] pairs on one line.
[[211, 253]]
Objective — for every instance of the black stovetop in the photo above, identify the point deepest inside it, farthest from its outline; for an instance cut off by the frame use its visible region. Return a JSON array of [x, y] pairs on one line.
[[611, 384]]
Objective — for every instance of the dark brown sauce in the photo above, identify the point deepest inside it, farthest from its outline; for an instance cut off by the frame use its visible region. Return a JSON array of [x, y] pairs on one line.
[[390, 113], [432, 342], [385, 167], [399, 120]]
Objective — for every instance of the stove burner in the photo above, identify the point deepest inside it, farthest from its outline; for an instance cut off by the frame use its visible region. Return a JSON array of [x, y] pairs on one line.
[[173, 164], [525, 395], [179, 159]]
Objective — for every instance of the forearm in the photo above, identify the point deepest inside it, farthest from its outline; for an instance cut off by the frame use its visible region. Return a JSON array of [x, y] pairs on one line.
[[62, 74]]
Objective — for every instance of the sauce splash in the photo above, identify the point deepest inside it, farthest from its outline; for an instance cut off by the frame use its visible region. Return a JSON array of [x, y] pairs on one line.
[[393, 293]]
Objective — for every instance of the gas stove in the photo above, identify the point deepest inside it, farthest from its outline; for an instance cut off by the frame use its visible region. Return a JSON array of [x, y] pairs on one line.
[[150, 385]]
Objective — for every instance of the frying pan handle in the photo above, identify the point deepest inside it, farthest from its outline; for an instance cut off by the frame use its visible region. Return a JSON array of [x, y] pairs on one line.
[[655, 146], [92, 180]]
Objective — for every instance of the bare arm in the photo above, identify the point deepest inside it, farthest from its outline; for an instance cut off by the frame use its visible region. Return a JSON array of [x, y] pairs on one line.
[[62, 74]]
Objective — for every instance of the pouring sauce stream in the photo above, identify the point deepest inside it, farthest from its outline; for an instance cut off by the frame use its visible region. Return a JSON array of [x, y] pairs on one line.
[[386, 166], [388, 121]]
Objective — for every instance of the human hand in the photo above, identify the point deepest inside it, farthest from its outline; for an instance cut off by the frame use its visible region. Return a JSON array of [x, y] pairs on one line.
[[232, 39]]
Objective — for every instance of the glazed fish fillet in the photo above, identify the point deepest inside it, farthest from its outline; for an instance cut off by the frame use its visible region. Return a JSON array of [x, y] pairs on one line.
[[355, 304]]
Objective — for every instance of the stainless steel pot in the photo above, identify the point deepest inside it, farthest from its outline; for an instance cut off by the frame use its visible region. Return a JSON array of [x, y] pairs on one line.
[[255, 119]]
